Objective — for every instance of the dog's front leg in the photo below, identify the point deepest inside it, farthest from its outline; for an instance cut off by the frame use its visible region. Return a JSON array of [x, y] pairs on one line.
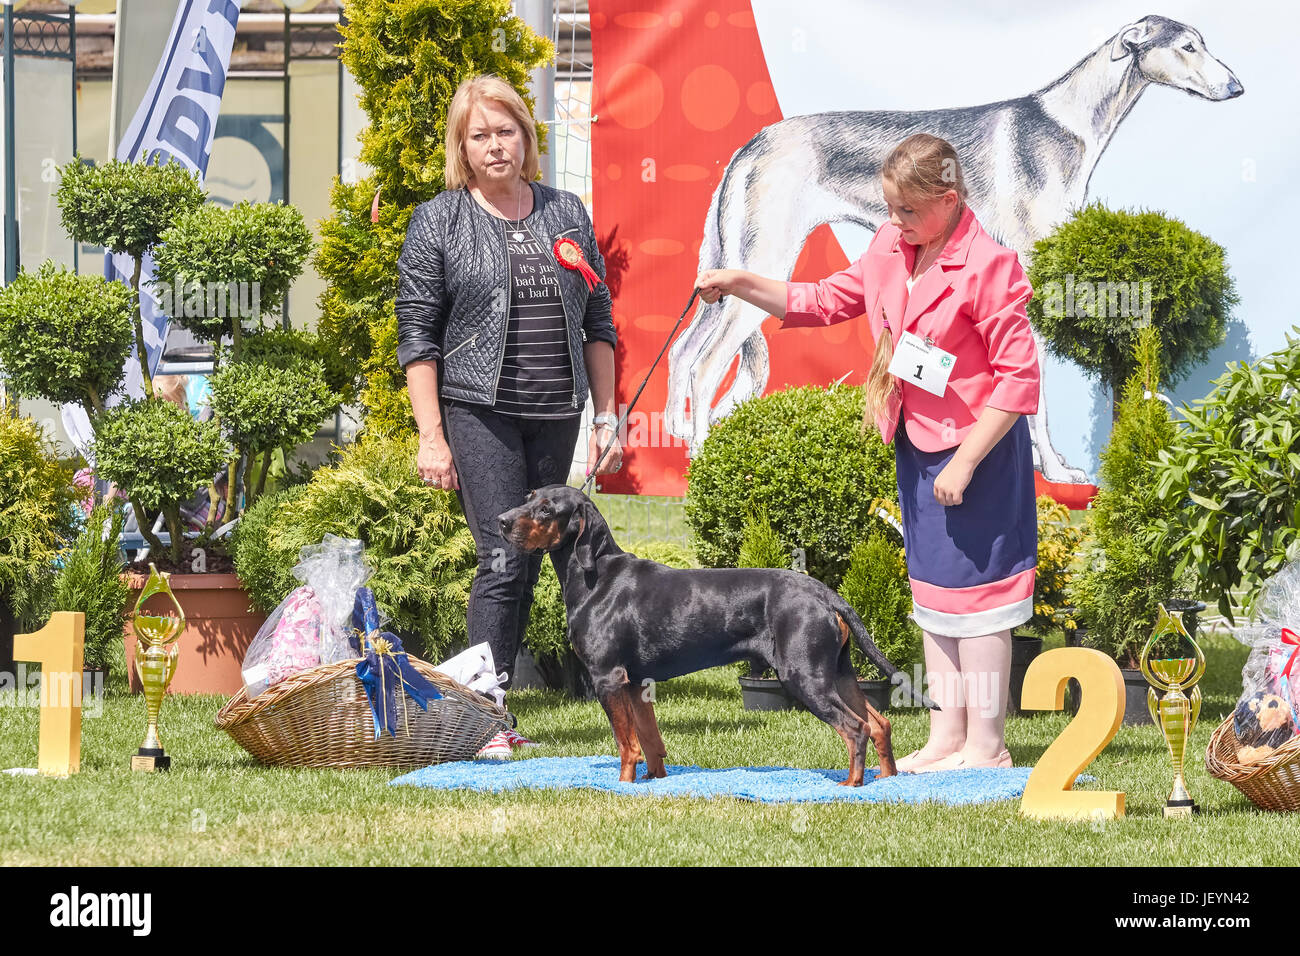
[[647, 731], [619, 711]]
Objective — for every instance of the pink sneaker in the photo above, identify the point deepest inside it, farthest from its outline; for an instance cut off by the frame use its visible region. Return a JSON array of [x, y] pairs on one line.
[[498, 748]]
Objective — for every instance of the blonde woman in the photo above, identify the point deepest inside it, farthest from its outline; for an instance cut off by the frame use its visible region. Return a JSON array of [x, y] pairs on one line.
[[955, 372], [503, 327]]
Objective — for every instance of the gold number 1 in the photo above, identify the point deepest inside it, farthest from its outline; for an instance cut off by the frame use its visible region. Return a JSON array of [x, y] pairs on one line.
[[1049, 792], [59, 647]]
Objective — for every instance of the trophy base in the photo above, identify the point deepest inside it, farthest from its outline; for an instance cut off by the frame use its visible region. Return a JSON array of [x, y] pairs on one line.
[[149, 759], [1181, 808]]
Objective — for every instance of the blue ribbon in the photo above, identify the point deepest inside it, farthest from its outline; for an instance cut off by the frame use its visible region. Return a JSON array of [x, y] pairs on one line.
[[385, 672]]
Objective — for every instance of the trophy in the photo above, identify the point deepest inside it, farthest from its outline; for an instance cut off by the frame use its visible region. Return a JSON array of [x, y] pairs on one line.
[[1175, 713], [155, 661]]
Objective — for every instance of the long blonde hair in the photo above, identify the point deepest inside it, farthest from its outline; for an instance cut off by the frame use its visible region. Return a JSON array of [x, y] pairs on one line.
[[922, 168], [456, 172]]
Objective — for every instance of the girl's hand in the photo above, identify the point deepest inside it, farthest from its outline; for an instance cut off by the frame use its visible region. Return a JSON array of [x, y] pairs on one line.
[[715, 283], [951, 483], [601, 436], [433, 463]]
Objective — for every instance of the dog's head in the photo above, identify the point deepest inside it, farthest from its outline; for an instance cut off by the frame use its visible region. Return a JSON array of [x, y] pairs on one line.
[[1173, 54], [552, 518]]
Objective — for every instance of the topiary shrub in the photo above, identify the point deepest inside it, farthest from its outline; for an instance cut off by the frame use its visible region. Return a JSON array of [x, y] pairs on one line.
[[1230, 479], [262, 407], [408, 57], [1102, 274], [155, 449], [876, 586], [800, 455], [125, 207], [1124, 578], [415, 538], [261, 246], [65, 337]]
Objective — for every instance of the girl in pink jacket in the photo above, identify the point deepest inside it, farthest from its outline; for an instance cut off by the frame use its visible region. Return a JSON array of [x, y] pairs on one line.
[[955, 372]]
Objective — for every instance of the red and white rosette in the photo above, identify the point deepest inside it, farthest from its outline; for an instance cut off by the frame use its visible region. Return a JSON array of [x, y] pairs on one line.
[[569, 254]]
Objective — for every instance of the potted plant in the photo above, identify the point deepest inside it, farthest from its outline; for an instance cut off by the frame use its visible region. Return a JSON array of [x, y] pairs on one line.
[[1228, 481], [1058, 544], [1104, 274], [221, 272], [1124, 579], [761, 547]]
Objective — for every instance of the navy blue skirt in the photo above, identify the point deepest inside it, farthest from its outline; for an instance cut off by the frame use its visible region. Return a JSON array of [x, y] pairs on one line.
[[971, 565]]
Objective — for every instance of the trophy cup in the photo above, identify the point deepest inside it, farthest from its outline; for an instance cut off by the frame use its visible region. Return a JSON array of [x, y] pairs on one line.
[[1176, 712], [155, 661]]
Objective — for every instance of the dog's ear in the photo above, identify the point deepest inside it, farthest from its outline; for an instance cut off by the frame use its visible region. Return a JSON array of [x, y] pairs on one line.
[[580, 524], [1129, 38]]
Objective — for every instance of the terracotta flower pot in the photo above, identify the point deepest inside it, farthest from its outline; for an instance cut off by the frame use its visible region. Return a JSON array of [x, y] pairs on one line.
[[219, 628]]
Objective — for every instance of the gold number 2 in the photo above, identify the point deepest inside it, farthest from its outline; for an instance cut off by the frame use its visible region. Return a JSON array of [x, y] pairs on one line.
[[59, 647], [1049, 792]]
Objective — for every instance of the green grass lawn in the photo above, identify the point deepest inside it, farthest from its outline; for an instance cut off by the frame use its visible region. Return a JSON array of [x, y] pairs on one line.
[[217, 806]]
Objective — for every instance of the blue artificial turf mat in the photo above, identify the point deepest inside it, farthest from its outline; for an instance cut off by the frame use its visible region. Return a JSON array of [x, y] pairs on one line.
[[760, 784]]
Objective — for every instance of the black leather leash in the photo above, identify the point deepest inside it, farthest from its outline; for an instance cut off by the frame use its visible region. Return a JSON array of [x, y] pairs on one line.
[[618, 429]]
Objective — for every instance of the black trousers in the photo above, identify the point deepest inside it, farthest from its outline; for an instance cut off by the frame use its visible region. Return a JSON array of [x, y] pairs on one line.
[[499, 459]]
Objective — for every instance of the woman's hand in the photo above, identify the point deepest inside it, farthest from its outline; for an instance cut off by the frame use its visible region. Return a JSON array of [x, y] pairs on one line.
[[951, 483], [602, 436], [433, 463], [715, 283]]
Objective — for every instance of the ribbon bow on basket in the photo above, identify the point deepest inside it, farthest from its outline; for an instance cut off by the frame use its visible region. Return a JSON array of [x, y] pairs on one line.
[[384, 670]]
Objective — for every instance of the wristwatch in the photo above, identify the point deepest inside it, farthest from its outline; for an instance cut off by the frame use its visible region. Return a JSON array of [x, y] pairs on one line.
[[609, 419]]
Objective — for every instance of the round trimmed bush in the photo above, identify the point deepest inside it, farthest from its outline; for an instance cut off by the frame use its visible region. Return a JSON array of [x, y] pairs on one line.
[[801, 456], [64, 337], [124, 206]]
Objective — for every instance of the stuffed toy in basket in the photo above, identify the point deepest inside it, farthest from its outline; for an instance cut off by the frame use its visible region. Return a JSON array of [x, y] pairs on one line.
[[1257, 749]]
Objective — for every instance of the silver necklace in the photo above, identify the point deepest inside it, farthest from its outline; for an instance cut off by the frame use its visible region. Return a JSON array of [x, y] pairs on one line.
[[518, 222]]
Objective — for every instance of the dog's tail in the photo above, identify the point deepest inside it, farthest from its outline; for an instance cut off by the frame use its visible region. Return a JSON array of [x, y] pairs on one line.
[[850, 616]]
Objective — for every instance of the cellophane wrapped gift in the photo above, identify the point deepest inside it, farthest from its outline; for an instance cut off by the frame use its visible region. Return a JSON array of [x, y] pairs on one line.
[[312, 626], [1268, 711]]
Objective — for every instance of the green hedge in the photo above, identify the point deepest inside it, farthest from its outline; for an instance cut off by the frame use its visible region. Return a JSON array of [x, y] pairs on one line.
[[801, 456]]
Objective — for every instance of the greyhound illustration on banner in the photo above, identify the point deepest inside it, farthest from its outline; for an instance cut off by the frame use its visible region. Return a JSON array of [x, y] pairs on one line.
[[1027, 162]]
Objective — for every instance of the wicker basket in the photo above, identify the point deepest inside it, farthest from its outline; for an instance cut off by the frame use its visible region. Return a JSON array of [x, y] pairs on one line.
[[320, 718], [1271, 784]]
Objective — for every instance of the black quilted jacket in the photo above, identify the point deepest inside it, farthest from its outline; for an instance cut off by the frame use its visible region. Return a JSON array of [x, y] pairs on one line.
[[453, 293]]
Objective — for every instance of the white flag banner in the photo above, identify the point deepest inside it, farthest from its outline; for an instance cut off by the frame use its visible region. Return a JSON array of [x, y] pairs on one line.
[[176, 120]]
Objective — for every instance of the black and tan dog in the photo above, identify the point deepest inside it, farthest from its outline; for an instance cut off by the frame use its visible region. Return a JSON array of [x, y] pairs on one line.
[[633, 621]]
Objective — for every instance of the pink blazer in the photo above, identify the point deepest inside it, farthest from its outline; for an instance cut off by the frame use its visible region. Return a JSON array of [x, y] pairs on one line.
[[971, 303]]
